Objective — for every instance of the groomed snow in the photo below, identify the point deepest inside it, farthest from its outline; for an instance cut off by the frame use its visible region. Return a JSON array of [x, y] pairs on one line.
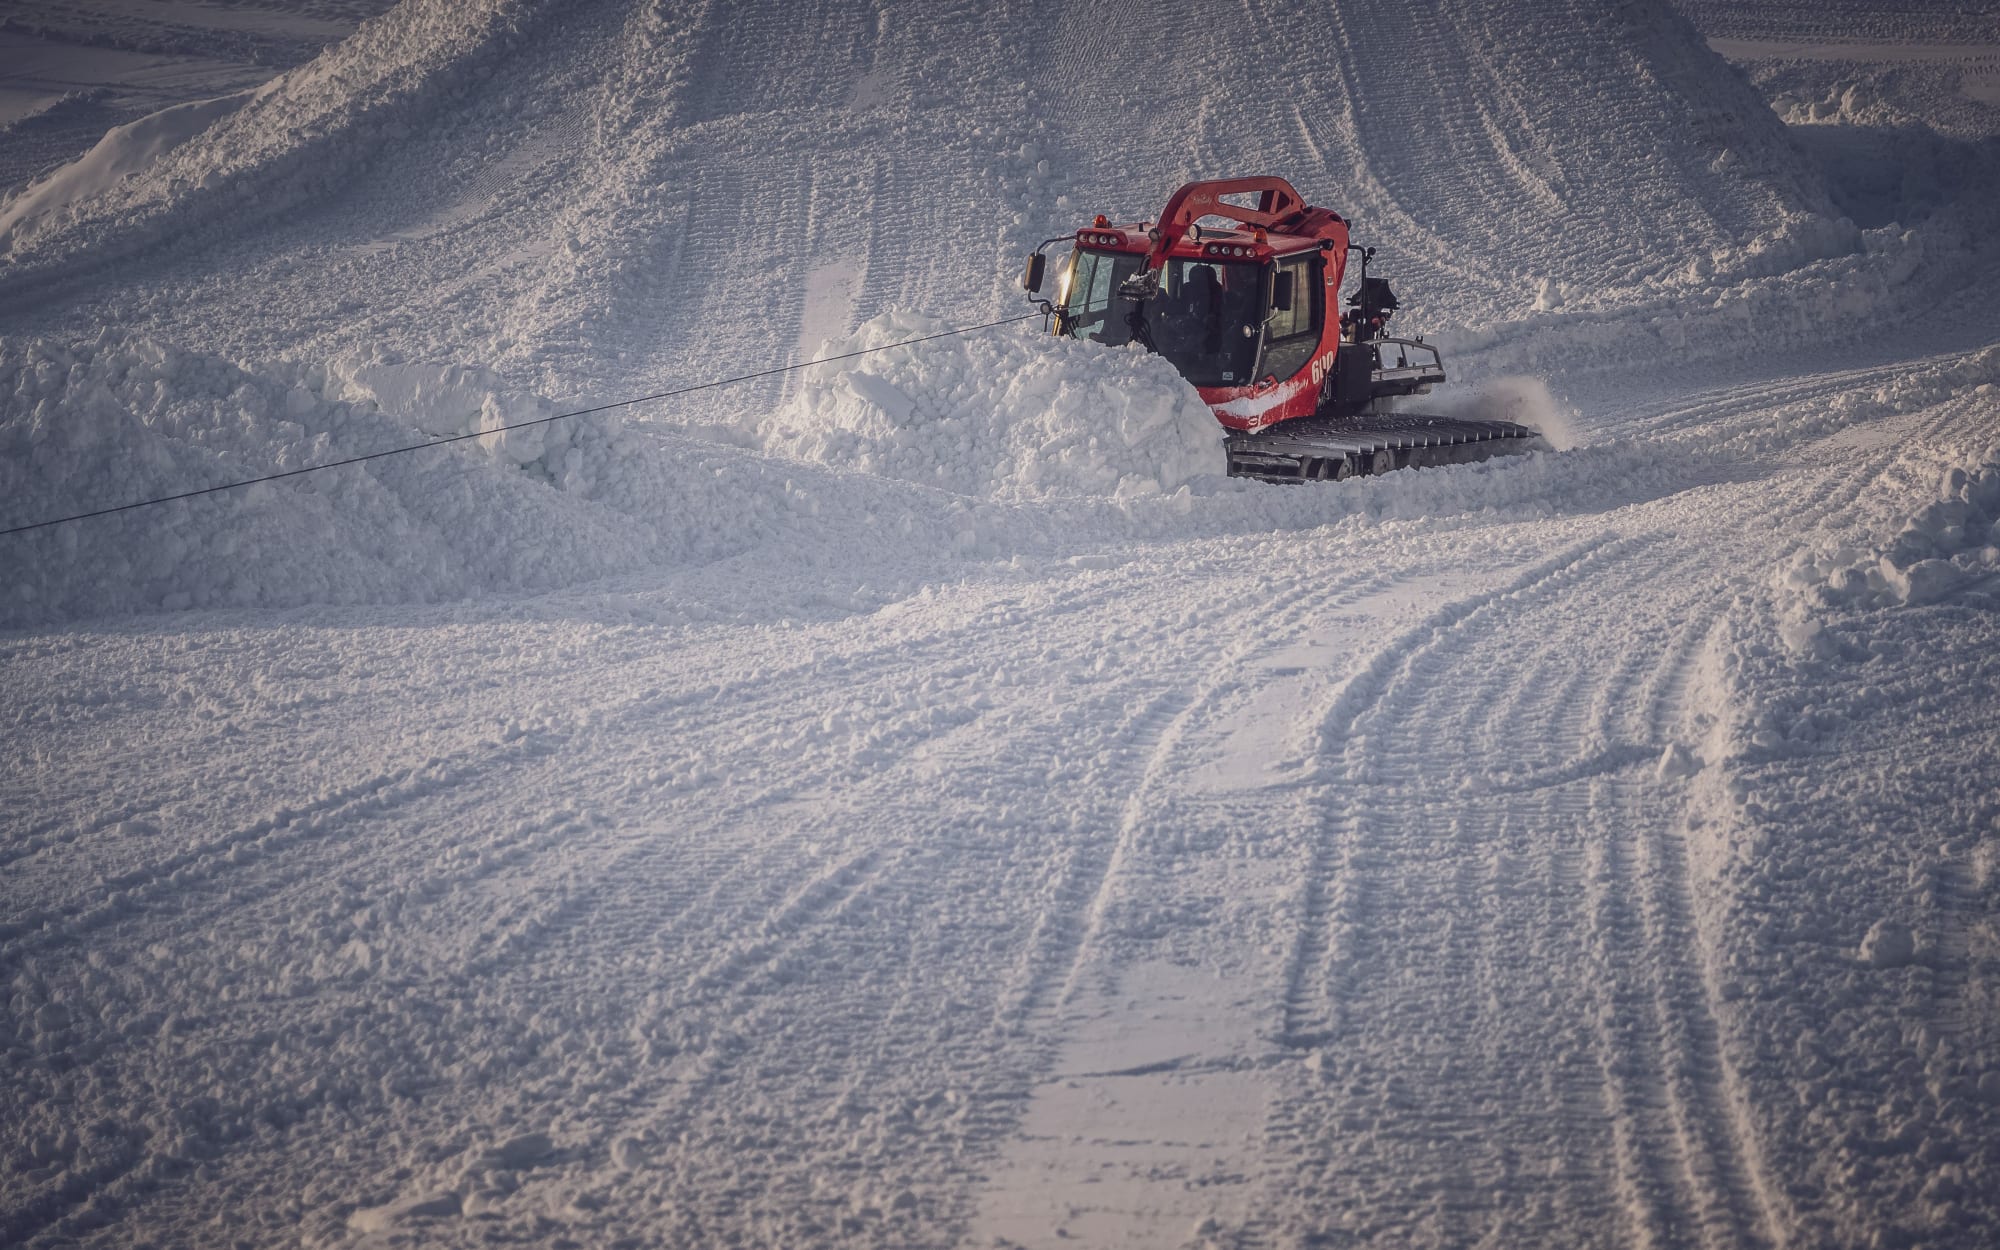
[[917, 800]]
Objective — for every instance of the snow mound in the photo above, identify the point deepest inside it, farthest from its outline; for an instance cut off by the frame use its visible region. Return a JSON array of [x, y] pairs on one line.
[[1950, 542], [100, 424], [999, 415], [1948, 548], [123, 151], [452, 400]]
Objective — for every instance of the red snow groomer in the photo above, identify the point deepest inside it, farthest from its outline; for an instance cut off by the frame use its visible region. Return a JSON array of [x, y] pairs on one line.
[[1250, 314]]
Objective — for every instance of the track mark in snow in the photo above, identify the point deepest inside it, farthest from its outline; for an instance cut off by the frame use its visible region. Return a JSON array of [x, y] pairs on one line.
[[1442, 819], [1611, 759], [822, 896], [1683, 1144], [1172, 723], [122, 894], [1308, 1016], [1750, 404], [1062, 943], [1155, 733], [1137, 1140], [1686, 1151], [1142, 1128], [55, 833], [1360, 696], [1332, 901]]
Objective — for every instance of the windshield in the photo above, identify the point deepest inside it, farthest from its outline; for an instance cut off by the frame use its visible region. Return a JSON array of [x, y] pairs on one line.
[[1197, 321], [1205, 321], [1090, 291]]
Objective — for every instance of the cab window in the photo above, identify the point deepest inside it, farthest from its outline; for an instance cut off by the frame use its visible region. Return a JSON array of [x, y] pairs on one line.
[[1290, 337], [1090, 303]]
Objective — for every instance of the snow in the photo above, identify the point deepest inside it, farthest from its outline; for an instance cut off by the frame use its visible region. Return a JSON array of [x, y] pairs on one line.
[[1520, 398], [69, 73], [90, 425], [123, 151], [998, 416], [917, 799]]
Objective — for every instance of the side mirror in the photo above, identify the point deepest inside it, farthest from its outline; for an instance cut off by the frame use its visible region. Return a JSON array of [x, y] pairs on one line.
[[1281, 292], [1031, 280]]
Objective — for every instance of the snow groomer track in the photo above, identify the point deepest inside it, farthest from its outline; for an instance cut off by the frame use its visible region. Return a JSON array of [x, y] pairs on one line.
[[1322, 450], [922, 800]]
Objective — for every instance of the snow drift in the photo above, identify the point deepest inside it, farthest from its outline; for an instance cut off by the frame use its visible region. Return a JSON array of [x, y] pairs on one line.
[[117, 420]]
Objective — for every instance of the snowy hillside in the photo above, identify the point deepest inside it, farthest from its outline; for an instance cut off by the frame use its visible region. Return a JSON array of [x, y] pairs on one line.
[[550, 186], [69, 72], [916, 799]]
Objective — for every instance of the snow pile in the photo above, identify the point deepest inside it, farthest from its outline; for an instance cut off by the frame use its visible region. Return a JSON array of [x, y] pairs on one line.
[[96, 425], [454, 400], [1851, 822], [1807, 284], [1906, 555], [602, 120], [123, 151], [1951, 542], [1950, 545], [1005, 415]]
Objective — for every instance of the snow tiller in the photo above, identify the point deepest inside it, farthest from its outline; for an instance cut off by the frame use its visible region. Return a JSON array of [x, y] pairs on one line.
[[1250, 313]]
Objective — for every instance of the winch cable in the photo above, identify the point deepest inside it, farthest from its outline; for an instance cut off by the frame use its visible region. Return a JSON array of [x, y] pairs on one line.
[[518, 425]]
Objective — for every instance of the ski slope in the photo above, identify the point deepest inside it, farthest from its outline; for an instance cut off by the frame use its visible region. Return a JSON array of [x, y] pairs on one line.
[[917, 801]]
